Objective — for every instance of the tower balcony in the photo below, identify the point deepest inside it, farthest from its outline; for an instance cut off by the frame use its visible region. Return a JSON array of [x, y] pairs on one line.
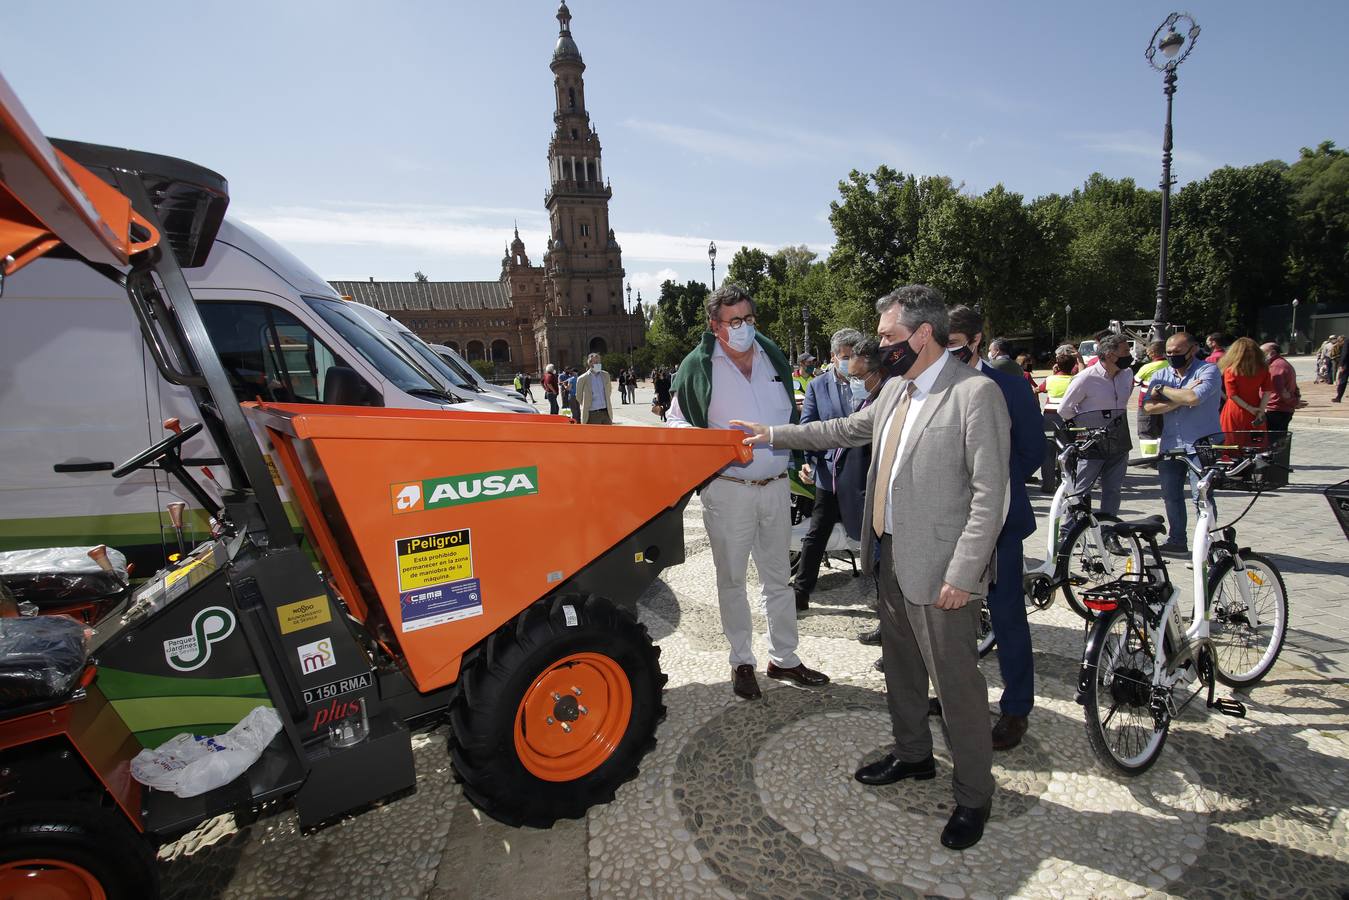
[[570, 188]]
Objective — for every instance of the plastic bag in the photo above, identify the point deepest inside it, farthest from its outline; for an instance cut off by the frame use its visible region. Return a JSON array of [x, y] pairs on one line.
[[61, 574], [41, 658], [190, 765]]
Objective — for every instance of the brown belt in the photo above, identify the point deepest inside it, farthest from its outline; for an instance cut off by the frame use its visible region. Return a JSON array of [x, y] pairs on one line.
[[760, 483]]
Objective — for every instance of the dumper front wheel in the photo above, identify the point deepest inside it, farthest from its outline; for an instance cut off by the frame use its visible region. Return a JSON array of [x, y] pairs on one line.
[[556, 711]]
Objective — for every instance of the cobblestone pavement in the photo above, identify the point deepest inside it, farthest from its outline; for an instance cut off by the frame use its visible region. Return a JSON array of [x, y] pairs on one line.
[[757, 799]]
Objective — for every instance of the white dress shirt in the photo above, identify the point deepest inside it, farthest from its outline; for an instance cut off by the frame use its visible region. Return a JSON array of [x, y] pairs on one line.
[[922, 386], [759, 398], [597, 398]]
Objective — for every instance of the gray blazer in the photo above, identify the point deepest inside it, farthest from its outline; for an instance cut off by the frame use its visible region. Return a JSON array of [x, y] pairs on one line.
[[951, 492]]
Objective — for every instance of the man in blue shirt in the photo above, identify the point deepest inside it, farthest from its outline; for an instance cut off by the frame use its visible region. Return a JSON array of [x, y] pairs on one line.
[[828, 396], [1188, 396]]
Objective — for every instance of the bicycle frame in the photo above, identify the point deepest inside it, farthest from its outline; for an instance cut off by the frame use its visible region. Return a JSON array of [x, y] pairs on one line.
[[1065, 498]]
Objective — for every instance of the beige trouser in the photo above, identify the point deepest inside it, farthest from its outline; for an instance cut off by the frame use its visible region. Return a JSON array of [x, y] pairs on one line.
[[921, 642], [743, 520]]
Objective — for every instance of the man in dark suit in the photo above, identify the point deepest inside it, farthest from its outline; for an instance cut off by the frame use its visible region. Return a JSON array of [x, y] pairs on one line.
[[937, 494], [828, 396], [1006, 600]]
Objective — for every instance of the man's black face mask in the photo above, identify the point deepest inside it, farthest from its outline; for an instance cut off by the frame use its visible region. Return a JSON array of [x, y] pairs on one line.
[[897, 359], [1178, 360], [964, 354]]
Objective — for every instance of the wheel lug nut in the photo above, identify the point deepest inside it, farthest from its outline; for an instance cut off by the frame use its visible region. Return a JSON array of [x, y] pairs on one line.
[[556, 696], [551, 720], [566, 728], [576, 691], [583, 710]]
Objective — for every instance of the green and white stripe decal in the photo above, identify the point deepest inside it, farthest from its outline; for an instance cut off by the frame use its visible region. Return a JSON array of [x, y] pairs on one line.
[[157, 707]]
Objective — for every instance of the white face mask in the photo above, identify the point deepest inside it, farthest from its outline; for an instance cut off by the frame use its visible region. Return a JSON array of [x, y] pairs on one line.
[[595, 367], [740, 339], [859, 388]]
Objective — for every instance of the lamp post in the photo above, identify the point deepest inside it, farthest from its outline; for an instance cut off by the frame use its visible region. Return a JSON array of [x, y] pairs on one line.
[[1170, 43], [628, 308], [1067, 323], [712, 258], [1292, 340]]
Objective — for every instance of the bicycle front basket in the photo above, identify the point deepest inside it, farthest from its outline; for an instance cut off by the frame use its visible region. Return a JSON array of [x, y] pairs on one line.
[[1225, 452]]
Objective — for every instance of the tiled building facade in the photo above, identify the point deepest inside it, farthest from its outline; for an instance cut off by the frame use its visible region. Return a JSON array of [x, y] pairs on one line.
[[557, 312]]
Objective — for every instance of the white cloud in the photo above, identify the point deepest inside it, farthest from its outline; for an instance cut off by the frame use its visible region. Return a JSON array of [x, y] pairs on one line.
[[976, 143], [1138, 143], [467, 231], [647, 284]]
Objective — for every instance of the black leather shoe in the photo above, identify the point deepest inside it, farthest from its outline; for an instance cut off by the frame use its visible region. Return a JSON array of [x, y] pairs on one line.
[[879, 664], [934, 707], [799, 674], [1008, 731], [744, 683], [802, 600], [965, 826], [888, 770], [871, 638]]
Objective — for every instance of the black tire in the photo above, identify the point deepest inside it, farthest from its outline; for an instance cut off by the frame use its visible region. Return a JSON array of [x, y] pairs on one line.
[[1082, 565], [493, 685], [96, 839], [1242, 655], [987, 639], [1120, 726]]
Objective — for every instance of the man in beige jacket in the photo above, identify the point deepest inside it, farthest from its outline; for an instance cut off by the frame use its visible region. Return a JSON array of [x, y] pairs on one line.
[[595, 393], [938, 493]]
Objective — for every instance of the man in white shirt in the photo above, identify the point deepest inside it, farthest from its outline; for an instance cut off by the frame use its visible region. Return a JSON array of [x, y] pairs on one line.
[[595, 393], [735, 373]]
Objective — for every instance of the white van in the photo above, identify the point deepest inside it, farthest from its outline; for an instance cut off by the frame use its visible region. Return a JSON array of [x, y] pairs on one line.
[[465, 368], [453, 380], [281, 331]]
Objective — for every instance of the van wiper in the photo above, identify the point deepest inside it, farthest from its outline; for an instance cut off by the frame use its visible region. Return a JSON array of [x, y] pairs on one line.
[[434, 394]]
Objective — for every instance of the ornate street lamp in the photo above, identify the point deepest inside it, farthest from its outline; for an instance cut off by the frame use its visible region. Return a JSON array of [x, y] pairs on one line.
[[1292, 341], [629, 306], [712, 258], [805, 329], [1174, 48], [1067, 323]]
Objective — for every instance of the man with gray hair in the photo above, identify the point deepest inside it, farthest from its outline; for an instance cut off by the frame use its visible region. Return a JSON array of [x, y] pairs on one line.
[[595, 393], [1099, 398], [736, 372], [829, 396], [937, 496]]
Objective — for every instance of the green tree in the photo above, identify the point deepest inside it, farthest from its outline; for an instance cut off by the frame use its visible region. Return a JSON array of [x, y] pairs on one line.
[[876, 223], [1231, 245], [1318, 260]]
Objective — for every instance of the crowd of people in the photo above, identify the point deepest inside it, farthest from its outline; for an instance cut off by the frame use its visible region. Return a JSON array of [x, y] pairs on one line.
[[920, 444]]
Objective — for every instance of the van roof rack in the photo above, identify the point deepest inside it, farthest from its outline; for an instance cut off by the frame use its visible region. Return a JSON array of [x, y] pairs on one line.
[[190, 200]]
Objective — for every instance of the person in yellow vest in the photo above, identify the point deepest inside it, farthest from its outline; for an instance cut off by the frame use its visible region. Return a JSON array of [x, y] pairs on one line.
[[1054, 387], [804, 374]]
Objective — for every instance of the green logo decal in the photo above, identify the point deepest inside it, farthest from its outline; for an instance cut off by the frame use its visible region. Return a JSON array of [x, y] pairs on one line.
[[190, 652], [479, 486]]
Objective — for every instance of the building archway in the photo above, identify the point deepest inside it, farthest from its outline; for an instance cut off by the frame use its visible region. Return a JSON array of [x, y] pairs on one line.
[[453, 345], [476, 351], [599, 345], [501, 351]]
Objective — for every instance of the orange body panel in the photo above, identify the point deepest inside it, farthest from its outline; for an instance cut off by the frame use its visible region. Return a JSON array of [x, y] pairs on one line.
[[98, 734], [588, 489], [47, 199]]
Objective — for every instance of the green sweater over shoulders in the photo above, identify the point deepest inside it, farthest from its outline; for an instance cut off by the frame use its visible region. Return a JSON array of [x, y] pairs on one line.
[[693, 382]]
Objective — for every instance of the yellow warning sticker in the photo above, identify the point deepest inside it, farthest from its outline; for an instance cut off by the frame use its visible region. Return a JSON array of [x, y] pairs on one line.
[[303, 614], [433, 559]]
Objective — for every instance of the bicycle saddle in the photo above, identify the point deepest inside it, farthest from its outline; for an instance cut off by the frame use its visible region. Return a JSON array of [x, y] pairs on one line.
[[1149, 527]]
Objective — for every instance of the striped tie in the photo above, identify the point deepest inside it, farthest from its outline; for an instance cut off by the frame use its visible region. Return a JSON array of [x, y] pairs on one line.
[[888, 452]]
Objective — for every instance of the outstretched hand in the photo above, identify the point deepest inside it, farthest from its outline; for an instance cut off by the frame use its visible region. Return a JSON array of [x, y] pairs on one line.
[[758, 434]]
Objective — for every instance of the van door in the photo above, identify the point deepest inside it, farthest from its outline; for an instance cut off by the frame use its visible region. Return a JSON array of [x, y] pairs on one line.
[[73, 404]]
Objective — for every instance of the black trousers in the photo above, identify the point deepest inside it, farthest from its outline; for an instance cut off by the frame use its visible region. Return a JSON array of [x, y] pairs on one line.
[[823, 518], [1278, 421], [1049, 469], [552, 403]]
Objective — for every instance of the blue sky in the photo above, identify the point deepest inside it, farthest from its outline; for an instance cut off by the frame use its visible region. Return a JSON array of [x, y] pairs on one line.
[[378, 139]]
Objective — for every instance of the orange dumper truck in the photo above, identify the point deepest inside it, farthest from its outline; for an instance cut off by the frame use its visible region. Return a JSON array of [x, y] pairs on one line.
[[471, 569]]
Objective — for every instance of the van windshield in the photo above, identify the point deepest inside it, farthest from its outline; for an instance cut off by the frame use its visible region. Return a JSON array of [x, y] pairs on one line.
[[390, 361], [455, 364], [432, 361]]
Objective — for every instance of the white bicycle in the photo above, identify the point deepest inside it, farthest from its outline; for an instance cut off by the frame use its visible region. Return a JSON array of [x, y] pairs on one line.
[[1141, 666]]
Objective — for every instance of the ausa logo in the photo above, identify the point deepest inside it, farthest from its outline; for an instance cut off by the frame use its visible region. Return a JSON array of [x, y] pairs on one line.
[[475, 487]]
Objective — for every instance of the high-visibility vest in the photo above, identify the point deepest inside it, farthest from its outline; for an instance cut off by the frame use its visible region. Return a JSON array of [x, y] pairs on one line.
[[1055, 387]]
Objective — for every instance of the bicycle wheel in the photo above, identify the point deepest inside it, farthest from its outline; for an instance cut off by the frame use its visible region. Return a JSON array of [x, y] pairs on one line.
[[1089, 558], [1121, 728], [987, 640], [1244, 653]]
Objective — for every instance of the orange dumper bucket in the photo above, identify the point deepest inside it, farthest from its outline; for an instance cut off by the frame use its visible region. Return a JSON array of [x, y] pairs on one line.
[[438, 527]]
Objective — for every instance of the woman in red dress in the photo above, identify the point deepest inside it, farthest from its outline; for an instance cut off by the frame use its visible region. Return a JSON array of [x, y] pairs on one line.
[[1249, 388]]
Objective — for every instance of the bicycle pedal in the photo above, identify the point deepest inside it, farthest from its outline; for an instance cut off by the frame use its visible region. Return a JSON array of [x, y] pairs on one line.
[[1229, 707]]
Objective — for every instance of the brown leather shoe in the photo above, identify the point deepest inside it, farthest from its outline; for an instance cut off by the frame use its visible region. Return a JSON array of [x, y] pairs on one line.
[[1008, 731], [800, 674], [744, 683]]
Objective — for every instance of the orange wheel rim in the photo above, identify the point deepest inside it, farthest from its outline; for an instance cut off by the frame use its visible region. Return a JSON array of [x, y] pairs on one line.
[[48, 879], [573, 717]]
